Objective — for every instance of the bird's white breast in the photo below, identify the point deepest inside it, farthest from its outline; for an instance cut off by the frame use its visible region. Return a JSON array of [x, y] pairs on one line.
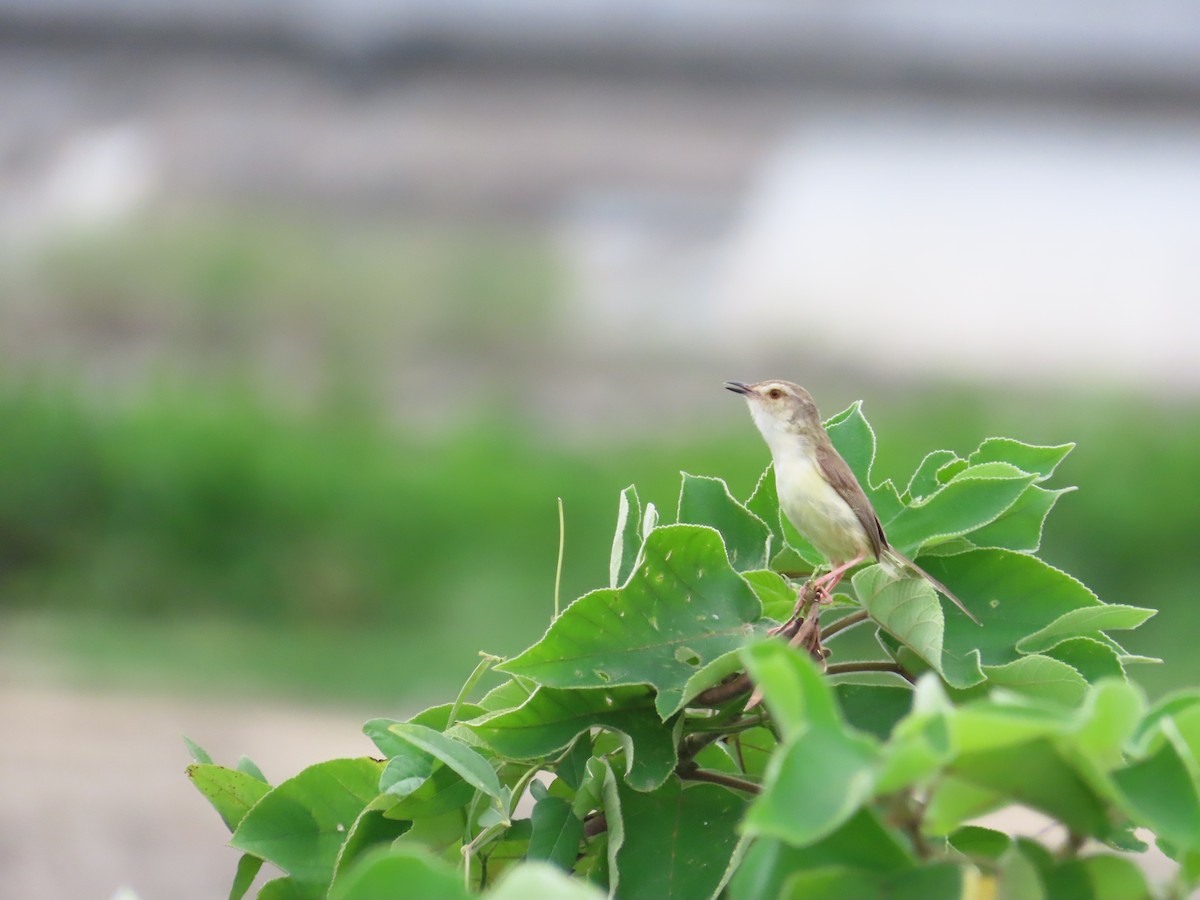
[[813, 505]]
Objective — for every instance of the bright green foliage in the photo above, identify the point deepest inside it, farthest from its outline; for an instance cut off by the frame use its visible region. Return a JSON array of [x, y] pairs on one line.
[[624, 756]]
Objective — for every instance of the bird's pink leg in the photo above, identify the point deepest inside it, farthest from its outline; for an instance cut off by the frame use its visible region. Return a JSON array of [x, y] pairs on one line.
[[826, 583]]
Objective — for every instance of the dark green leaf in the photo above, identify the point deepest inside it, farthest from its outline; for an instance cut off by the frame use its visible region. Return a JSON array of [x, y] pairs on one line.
[[707, 501], [1098, 878], [874, 708], [680, 610], [551, 718], [1013, 594], [678, 840], [472, 767], [301, 824], [556, 833], [247, 870]]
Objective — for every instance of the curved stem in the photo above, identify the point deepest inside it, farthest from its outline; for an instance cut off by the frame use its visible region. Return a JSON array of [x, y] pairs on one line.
[[850, 668], [845, 622], [729, 781]]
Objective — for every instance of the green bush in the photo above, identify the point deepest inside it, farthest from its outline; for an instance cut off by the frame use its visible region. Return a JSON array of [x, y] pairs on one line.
[[625, 756]]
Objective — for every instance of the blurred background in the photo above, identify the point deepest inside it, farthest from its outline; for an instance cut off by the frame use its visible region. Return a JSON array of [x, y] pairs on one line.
[[309, 311]]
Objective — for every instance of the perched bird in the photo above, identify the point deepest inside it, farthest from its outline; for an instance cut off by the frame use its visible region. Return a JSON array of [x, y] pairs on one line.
[[817, 490]]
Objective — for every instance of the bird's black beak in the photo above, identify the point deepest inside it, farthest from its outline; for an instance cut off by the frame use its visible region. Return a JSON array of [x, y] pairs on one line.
[[737, 387]]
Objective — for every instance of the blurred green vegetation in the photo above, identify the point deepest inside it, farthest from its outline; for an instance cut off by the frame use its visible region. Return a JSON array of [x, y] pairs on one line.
[[206, 483], [226, 543]]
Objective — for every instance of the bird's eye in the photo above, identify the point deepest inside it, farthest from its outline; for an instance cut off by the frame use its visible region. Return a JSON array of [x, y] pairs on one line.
[[774, 393]]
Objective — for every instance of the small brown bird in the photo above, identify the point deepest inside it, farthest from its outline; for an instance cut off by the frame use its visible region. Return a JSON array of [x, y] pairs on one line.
[[817, 489]]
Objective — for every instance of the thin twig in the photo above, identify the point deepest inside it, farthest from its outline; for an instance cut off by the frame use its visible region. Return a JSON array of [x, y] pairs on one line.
[[850, 668], [558, 568], [729, 781], [726, 690], [846, 622]]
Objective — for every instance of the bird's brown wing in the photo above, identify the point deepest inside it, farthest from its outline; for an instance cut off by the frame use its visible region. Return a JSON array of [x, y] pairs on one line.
[[838, 473]]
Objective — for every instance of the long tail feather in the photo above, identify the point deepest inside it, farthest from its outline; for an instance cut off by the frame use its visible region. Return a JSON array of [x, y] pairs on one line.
[[897, 558]]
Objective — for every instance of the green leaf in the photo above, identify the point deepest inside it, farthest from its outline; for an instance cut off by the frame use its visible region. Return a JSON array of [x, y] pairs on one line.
[[572, 769], [797, 695], [1083, 622], [1041, 461], [420, 795], [1014, 595], [803, 800], [832, 881], [976, 842], [1036, 775], [1106, 722], [1020, 527], [863, 843], [301, 824], [924, 480], [614, 818], [1160, 791], [403, 871], [472, 767], [1040, 676], [971, 499], [248, 868], [556, 833], [628, 540], [435, 717], [954, 800], [854, 439], [942, 879], [908, 608], [873, 708], [286, 889], [678, 840], [537, 881], [247, 765], [706, 501], [441, 835], [1020, 877], [683, 608], [371, 829], [198, 753], [1098, 878], [551, 718], [232, 793], [508, 695], [778, 598], [1092, 659]]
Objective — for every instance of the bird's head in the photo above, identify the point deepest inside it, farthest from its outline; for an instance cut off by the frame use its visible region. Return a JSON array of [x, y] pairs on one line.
[[779, 407]]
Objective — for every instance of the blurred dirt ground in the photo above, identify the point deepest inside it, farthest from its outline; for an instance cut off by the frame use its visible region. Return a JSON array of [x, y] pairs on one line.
[[94, 793], [95, 799]]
